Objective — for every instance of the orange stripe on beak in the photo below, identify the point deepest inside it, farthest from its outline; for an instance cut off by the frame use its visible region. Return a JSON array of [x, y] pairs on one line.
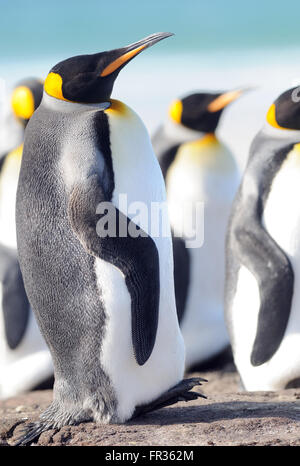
[[220, 102], [113, 66]]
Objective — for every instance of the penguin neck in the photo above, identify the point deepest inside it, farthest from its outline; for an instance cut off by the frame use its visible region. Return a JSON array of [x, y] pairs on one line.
[[65, 106], [179, 133], [288, 135]]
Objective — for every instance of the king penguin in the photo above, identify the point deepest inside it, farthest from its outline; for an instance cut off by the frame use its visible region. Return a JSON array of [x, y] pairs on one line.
[[25, 361], [104, 299], [263, 255], [17, 107], [199, 170]]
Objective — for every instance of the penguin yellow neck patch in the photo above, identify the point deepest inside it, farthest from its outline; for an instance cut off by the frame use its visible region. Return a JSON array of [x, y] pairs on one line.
[[117, 107], [207, 140], [271, 117], [53, 86], [16, 153], [22, 102], [12, 161], [175, 111]]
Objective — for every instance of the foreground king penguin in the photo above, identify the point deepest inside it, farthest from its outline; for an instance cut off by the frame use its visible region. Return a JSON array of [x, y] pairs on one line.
[[263, 255], [25, 361], [104, 302], [198, 168]]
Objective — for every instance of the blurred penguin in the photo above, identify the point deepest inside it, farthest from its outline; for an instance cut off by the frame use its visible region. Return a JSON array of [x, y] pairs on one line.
[[201, 178], [15, 108], [263, 255], [25, 361]]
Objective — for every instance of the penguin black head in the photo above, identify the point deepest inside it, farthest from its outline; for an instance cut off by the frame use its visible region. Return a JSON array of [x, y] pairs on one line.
[[284, 113], [90, 78], [26, 97], [202, 111]]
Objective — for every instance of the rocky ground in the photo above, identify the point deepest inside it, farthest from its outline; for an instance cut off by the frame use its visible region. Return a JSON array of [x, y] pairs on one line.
[[227, 417]]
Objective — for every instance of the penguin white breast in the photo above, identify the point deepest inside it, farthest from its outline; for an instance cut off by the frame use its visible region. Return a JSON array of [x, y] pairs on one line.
[[203, 173], [9, 176], [25, 366], [281, 215], [138, 177], [281, 219]]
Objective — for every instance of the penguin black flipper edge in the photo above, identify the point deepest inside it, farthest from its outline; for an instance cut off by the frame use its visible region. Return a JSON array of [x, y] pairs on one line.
[[15, 304], [136, 257]]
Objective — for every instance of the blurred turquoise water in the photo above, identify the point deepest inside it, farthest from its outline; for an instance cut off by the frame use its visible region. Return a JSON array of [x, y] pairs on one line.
[[218, 44], [35, 28]]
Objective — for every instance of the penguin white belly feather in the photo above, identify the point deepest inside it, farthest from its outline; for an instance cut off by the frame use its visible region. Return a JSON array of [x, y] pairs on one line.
[[203, 172], [281, 218], [8, 191], [137, 174], [25, 366]]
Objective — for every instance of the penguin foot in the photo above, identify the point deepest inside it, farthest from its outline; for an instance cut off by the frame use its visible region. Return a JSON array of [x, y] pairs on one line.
[[180, 392], [30, 432], [54, 417]]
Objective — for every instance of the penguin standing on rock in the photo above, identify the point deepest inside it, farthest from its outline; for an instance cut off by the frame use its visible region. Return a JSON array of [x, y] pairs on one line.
[[104, 299], [25, 361], [198, 168], [263, 255]]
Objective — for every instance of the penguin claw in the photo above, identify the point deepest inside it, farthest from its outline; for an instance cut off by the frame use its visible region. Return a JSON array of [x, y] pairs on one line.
[[180, 392], [29, 433]]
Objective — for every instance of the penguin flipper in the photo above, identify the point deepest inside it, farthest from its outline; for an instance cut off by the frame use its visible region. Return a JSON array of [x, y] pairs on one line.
[[180, 392], [136, 257], [166, 158], [273, 271], [15, 304], [181, 274]]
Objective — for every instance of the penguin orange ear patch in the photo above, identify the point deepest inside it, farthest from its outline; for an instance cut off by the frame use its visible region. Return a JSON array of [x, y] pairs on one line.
[[22, 102], [223, 100], [271, 117], [53, 86], [175, 111]]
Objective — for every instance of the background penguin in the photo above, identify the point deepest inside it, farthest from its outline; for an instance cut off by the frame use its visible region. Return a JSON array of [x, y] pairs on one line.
[[25, 361], [263, 255], [198, 168], [17, 109], [105, 303]]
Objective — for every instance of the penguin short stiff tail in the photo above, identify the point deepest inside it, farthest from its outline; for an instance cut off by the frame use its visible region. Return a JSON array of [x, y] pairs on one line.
[[104, 300], [263, 255], [25, 361], [199, 171]]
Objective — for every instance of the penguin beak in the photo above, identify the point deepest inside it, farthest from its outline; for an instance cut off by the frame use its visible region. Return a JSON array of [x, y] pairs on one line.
[[225, 99], [124, 55]]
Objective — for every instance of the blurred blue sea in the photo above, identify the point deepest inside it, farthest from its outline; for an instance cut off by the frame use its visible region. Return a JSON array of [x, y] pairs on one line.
[[217, 45]]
